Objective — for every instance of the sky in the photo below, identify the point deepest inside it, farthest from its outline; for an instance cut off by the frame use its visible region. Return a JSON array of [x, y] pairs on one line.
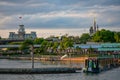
[[53, 17]]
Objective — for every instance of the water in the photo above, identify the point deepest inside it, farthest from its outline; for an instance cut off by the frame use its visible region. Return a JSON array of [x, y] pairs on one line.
[[113, 74]]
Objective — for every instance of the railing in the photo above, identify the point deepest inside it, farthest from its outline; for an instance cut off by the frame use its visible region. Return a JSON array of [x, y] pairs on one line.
[[14, 46]]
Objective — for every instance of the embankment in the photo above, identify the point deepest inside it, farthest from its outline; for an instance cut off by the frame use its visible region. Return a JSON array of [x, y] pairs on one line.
[[36, 70]]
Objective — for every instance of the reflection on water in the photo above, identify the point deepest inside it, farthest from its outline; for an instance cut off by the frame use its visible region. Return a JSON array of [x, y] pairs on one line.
[[64, 63], [5, 63], [109, 75]]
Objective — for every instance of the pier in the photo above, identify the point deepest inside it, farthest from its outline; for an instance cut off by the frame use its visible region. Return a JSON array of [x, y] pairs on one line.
[[37, 70]]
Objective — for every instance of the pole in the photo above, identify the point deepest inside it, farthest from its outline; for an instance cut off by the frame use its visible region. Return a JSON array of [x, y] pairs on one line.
[[32, 55], [70, 59]]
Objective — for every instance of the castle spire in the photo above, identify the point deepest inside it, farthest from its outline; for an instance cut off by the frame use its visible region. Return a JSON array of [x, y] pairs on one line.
[[94, 25], [97, 27]]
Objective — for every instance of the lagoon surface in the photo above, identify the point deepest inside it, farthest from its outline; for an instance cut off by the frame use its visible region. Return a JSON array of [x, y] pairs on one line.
[[113, 74]]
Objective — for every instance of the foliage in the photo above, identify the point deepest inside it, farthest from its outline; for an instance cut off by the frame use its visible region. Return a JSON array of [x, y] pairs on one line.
[[44, 43], [117, 36], [103, 36], [76, 39], [23, 47], [38, 40], [12, 48], [84, 38], [66, 42], [55, 45], [14, 43], [26, 44], [44, 46]]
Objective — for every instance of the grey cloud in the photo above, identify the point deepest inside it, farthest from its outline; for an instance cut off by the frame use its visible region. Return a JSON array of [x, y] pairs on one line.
[[14, 1], [111, 2], [23, 6], [33, 7], [53, 23]]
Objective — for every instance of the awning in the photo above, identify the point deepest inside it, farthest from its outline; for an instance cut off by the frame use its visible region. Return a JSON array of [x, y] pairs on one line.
[[108, 49]]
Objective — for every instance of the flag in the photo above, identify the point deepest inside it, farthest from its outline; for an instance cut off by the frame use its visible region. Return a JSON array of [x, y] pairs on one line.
[[20, 17]]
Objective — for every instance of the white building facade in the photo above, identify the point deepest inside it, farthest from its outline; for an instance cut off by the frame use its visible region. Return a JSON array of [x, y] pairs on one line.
[[22, 35]]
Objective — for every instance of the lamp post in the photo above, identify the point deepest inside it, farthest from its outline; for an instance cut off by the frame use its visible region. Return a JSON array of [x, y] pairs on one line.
[[32, 55]]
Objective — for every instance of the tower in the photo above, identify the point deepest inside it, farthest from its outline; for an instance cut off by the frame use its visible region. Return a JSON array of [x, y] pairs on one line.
[[21, 31], [94, 25], [97, 27], [93, 28]]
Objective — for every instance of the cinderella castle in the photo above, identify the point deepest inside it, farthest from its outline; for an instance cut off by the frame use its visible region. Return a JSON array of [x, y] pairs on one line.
[[22, 35], [93, 29]]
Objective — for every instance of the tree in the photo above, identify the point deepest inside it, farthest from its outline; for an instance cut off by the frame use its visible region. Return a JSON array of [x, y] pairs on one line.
[[97, 37], [66, 42], [117, 36], [14, 48], [84, 38], [44, 46], [77, 39], [55, 45], [103, 36], [38, 40], [28, 43]]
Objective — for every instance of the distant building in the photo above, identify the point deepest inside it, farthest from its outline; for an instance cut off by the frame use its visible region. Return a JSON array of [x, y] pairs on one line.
[[22, 35], [93, 28]]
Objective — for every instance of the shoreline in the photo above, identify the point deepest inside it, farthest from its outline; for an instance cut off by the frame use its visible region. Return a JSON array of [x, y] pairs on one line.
[[76, 59]]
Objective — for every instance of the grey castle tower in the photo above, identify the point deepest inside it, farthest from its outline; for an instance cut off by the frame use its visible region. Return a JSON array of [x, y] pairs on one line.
[[21, 31], [94, 25], [93, 28]]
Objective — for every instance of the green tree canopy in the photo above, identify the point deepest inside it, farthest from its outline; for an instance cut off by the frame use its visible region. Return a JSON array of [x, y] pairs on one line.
[[55, 45], [103, 36], [44, 43], [66, 42], [44, 46], [14, 43], [26, 44], [84, 38], [117, 36], [38, 40]]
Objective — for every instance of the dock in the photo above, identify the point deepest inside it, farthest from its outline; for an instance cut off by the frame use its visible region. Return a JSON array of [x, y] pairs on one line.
[[37, 70], [99, 64]]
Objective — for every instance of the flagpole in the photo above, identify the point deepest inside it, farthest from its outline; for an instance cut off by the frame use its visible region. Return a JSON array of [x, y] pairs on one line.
[[20, 18]]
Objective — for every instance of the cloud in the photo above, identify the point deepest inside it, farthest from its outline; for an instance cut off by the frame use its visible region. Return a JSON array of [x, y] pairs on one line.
[[59, 13]]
